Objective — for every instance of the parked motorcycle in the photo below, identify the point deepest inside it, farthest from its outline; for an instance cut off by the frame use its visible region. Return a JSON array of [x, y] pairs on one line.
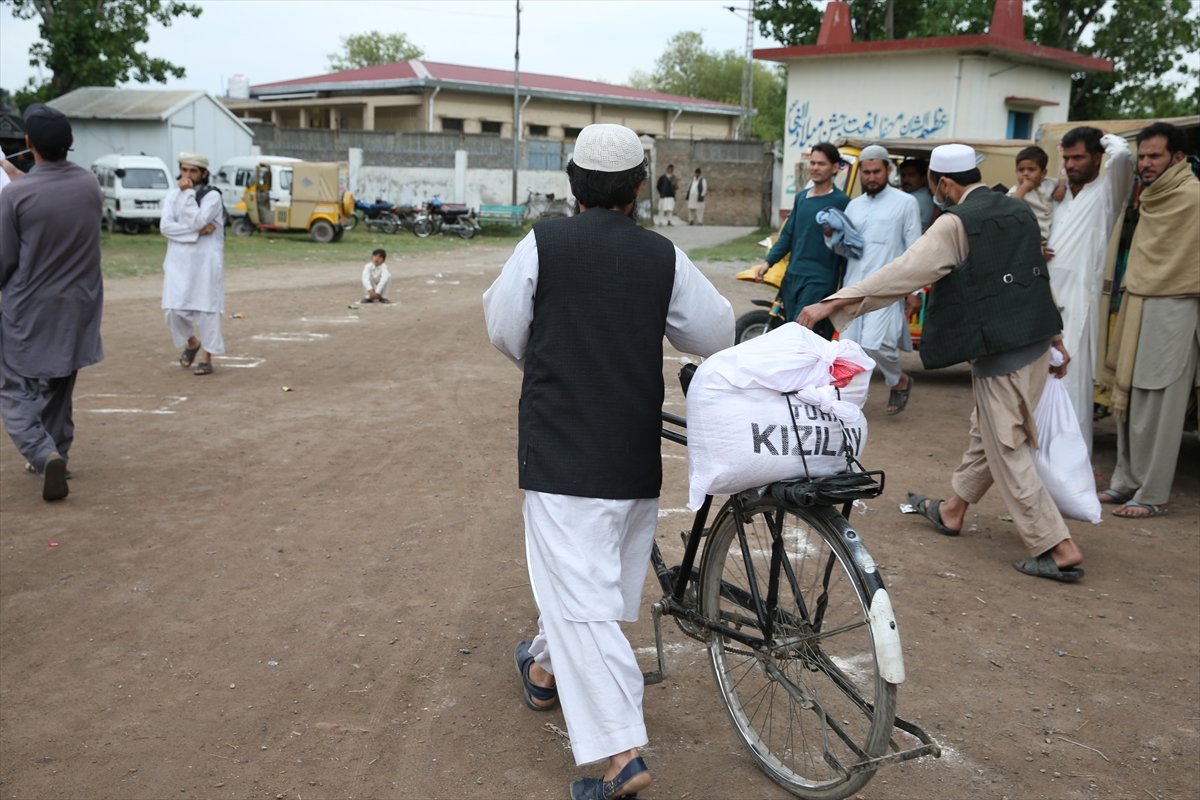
[[769, 314], [440, 217], [374, 215]]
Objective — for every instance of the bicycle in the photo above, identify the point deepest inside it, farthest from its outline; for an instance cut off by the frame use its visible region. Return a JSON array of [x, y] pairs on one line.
[[546, 206], [800, 632]]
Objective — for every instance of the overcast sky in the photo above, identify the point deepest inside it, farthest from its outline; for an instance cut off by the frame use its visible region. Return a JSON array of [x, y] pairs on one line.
[[273, 40]]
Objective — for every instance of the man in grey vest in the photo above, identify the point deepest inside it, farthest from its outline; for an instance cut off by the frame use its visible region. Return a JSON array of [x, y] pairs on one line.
[[990, 305], [51, 296], [582, 307]]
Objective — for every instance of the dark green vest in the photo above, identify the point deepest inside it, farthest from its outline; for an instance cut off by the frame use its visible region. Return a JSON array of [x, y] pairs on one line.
[[999, 298]]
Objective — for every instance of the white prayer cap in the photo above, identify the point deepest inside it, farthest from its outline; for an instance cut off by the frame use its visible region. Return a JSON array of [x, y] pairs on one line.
[[951, 158], [193, 160], [608, 148], [874, 152]]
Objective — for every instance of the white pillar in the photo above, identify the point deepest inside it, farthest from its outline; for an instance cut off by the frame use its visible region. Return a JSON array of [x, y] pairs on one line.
[[355, 158], [460, 176]]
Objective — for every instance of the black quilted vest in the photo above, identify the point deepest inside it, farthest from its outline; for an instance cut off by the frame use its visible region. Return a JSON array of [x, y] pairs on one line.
[[999, 298], [592, 394]]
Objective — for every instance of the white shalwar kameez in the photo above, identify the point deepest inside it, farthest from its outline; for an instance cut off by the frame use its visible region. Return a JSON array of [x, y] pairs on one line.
[[588, 557], [376, 278], [193, 297], [889, 223], [1079, 238]]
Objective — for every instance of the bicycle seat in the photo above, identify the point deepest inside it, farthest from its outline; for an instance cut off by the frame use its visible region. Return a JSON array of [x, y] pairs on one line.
[[685, 377]]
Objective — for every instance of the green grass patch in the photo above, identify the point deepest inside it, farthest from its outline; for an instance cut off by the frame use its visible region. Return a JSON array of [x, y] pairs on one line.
[[142, 254], [745, 249]]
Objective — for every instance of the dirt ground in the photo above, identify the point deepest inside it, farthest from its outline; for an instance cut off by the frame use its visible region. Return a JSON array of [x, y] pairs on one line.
[[303, 577]]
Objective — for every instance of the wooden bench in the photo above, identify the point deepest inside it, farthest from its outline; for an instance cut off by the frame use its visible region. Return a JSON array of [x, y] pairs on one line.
[[504, 215]]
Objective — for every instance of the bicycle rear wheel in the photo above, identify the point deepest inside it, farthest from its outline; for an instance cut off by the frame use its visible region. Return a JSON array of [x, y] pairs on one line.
[[807, 697]]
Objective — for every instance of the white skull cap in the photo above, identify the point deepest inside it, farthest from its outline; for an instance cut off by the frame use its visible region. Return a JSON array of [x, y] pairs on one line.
[[951, 158], [193, 160], [874, 152], [608, 148]]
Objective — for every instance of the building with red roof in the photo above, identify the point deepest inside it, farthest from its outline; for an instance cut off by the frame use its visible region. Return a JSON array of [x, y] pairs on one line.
[[426, 96], [990, 86]]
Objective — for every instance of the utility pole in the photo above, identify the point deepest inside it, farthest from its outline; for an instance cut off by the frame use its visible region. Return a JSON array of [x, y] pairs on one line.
[[747, 71], [516, 131]]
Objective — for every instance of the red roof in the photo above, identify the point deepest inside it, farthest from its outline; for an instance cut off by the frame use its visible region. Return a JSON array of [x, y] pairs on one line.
[[1018, 49], [415, 72]]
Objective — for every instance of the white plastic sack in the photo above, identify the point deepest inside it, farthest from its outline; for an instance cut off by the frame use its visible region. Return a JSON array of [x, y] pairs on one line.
[[740, 429], [1062, 457]]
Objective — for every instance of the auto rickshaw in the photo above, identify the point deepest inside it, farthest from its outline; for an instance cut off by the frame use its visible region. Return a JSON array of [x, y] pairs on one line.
[[315, 201]]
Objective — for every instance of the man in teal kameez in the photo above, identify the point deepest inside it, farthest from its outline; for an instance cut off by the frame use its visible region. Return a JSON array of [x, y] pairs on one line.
[[812, 271]]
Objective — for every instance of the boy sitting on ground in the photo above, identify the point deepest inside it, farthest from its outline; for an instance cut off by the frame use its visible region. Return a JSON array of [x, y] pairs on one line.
[[376, 279]]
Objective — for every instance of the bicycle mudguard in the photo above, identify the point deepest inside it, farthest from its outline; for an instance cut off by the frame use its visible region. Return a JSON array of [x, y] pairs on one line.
[[884, 632], [886, 637]]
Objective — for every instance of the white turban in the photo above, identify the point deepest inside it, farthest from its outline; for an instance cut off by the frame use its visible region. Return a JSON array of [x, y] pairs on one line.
[[193, 160]]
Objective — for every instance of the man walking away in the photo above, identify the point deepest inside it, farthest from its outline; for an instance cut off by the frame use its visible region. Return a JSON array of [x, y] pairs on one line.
[[1078, 248], [1152, 363], [591, 348], [890, 222], [667, 184], [51, 296], [983, 254]]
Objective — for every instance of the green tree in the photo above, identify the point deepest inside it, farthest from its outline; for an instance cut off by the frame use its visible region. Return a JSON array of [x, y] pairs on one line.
[[371, 48], [1148, 41], [95, 43], [687, 68]]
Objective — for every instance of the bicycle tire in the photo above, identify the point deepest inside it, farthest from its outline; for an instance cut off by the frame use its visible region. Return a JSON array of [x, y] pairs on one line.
[[818, 643]]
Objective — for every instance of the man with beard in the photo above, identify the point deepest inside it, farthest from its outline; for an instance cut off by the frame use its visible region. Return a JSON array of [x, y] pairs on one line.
[[1078, 248], [51, 296], [990, 305], [889, 221], [1152, 363], [581, 307], [193, 296]]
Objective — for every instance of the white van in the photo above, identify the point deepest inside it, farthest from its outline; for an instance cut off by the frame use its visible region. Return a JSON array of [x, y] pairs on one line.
[[237, 173], [134, 188]]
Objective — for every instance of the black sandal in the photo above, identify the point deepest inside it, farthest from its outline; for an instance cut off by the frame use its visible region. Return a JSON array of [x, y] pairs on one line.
[[203, 368], [188, 356], [898, 398]]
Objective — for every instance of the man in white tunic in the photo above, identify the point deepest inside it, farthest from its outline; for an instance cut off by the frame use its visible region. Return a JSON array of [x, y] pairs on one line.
[[581, 307], [1078, 248], [193, 298], [889, 221]]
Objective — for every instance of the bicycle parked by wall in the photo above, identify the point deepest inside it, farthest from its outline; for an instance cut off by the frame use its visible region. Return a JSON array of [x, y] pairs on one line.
[[547, 206], [799, 628]]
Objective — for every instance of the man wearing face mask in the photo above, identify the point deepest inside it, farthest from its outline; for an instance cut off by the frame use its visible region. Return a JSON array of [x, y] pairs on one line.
[[581, 307], [890, 222], [990, 305], [1078, 249]]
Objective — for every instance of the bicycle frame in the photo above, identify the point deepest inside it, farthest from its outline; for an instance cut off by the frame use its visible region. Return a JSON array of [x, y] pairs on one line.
[[763, 611]]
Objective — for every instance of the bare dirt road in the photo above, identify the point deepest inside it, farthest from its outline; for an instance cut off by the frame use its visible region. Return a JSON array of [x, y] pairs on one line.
[[254, 592]]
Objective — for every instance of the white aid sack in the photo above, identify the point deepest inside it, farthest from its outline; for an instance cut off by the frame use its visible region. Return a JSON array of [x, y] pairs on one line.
[[740, 407], [1062, 457]]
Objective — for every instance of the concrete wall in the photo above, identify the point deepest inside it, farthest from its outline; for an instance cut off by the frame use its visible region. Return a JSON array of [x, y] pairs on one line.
[[910, 95], [411, 168], [739, 176]]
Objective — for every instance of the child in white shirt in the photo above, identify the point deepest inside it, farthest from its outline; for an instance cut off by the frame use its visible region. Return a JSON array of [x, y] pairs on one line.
[[1035, 188], [376, 279]]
